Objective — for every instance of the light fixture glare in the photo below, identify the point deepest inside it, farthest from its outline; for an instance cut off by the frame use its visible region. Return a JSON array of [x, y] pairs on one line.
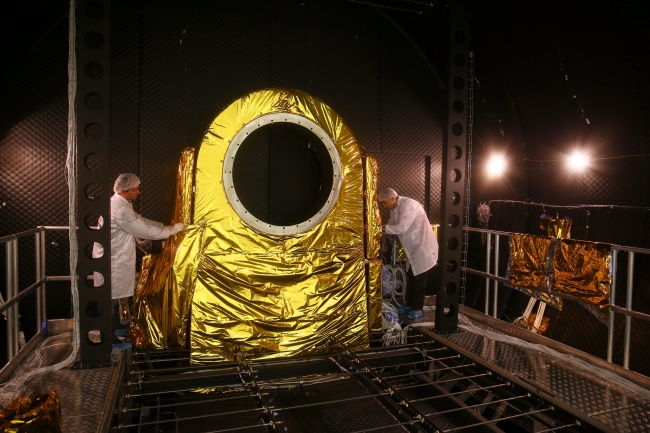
[[496, 165]]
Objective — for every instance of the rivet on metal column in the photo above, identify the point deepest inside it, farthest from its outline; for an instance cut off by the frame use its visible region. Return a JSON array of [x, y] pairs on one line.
[[93, 186], [453, 172]]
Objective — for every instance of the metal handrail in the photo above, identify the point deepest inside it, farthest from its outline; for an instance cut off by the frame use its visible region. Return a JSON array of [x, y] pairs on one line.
[[627, 311], [10, 307]]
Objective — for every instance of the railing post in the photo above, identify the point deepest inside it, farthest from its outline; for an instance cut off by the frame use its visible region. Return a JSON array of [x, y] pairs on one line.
[[10, 288], [37, 254], [496, 274], [628, 305], [612, 303], [16, 326], [43, 274], [487, 270]]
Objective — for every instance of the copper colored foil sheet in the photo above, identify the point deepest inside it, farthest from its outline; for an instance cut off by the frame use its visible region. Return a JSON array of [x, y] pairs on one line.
[[528, 257], [583, 270], [24, 415], [161, 305], [274, 295]]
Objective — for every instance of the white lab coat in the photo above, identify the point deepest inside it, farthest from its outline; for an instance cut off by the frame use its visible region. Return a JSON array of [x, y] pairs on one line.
[[409, 221], [125, 225]]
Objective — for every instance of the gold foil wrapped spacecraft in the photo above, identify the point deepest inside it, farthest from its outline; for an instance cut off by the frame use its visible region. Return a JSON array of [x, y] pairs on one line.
[[161, 306], [254, 292], [583, 270]]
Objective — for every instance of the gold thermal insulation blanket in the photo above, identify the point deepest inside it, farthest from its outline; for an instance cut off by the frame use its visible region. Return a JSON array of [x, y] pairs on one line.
[[24, 415], [161, 306], [528, 263], [260, 293], [551, 268], [583, 270]]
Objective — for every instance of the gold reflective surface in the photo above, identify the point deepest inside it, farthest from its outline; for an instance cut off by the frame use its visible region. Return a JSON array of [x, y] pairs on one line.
[[583, 269], [161, 305], [26, 415], [259, 293], [556, 227], [549, 268], [528, 257]]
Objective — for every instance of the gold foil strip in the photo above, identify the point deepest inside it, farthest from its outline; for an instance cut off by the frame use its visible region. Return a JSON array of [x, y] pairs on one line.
[[373, 218], [373, 245], [374, 295], [274, 295], [161, 306], [583, 270]]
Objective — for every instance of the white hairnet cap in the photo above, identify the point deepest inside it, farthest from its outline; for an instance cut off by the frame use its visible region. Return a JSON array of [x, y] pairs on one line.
[[125, 181], [386, 194]]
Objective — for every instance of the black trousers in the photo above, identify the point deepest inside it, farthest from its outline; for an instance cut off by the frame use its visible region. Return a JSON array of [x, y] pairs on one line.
[[416, 287]]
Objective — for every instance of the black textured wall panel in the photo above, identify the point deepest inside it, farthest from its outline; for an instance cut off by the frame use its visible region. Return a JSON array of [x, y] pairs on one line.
[[411, 101], [125, 88]]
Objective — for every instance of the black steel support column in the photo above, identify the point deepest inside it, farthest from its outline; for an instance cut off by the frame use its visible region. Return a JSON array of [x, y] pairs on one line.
[[93, 184], [453, 172]]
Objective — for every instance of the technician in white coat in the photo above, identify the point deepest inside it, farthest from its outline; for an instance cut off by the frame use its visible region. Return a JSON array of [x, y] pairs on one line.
[[126, 224], [409, 221]]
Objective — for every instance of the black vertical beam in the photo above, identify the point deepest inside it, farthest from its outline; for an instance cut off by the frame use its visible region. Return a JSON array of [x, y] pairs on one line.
[[93, 185], [453, 172]]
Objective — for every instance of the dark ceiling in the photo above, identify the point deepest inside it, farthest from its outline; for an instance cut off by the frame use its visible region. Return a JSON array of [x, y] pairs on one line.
[[550, 76]]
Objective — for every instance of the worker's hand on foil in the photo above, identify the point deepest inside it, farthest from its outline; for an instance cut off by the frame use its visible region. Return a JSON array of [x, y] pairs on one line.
[[177, 228]]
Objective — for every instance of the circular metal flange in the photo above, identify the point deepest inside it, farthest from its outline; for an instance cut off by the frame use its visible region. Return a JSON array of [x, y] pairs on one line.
[[231, 154]]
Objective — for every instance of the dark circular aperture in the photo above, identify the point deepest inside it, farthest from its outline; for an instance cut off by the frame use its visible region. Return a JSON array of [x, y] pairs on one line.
[[93, 161], [94, 71], [95, 309], [457, 129], [459, 83], [458, 106], [453, 221], [454, 198], [451, 266], [452, 243], [456, 152], [449, 310], [450, 288], [93, 131], [92, 221], [95, 337], [282, 174], [93, 191], [455, 175], [94, 40], [94, 101]]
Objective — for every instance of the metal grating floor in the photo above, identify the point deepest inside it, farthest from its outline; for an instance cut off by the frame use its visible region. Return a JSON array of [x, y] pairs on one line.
[[622, 410]]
